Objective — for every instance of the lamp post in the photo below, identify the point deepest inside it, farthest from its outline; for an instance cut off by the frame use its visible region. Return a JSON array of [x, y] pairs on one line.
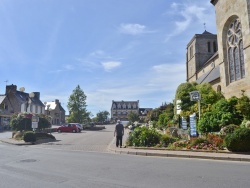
[[27, 104]]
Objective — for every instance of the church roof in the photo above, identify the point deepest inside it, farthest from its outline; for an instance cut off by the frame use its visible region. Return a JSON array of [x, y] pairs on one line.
[[210, 76], [206, 33], [2, 97]]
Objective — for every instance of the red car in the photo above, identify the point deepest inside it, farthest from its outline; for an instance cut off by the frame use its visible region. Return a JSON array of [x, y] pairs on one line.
[[69, 128]]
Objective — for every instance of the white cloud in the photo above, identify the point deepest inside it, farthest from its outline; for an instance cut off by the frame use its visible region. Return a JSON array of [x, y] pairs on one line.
[[167, 76], [190, 14], [110, 65], [132, 29]]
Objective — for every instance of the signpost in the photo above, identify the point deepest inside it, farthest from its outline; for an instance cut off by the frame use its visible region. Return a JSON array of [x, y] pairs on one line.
[[35, 120], [192, 119], [183, 123], [195, 96]]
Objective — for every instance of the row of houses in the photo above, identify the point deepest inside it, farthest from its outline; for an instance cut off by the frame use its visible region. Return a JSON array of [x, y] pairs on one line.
[[121, 109], [17, 101]]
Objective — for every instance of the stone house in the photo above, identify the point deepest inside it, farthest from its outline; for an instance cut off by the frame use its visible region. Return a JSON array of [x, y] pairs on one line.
[[223, 59], [121, 109], [55, 111], [17, 101], [143, 112]]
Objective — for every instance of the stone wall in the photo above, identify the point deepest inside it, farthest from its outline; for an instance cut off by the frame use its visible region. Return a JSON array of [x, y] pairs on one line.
[[227, 11]]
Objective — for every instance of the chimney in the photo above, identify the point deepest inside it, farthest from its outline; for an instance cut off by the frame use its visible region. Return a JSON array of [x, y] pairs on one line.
[[10, 89], [37, 95], [57, 101]]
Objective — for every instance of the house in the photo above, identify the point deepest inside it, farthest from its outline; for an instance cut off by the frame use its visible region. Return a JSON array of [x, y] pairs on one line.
[[121, 109], [17, 101], [143, 112], [222, 60], [55, 111]]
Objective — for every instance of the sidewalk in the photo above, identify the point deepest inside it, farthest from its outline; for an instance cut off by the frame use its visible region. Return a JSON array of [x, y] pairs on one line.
[[212, 155]]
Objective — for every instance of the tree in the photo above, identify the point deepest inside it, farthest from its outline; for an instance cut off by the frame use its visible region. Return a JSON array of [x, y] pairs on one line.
[[182, 93], [102, 116], [77, 106], [132, 117], [222, 113], [243, 106], [167, 115]]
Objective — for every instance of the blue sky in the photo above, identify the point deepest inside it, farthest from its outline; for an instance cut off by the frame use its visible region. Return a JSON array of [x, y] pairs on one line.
[[113, 49]]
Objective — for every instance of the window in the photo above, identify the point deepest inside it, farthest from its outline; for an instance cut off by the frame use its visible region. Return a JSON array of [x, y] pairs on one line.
[[208, 47], [219, 89], [191, 52], [235, 51], [215, 46]]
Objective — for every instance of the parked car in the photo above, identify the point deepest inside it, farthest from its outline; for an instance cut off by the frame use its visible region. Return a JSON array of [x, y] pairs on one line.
[[71, 127], [78, 125], [89, 125]]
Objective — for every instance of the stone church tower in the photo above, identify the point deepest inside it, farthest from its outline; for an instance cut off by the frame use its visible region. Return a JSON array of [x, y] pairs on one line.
[[228, 69], [199, 50]]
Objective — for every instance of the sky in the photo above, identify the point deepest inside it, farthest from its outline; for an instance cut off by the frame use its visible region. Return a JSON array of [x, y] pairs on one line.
[[113, 49]]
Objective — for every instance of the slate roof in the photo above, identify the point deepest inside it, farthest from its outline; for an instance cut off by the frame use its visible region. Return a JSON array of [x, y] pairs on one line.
[[22, 96], [2, 97], [115, 104], [210, 76]]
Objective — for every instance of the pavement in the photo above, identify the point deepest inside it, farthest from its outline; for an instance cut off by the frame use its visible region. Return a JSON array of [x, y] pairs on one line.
[[156, 152]]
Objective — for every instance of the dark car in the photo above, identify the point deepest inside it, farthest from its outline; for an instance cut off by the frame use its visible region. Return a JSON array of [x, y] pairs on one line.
[[71, 127]]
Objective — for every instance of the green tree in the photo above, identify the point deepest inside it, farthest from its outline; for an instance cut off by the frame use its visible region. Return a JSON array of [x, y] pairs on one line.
[[182, 93], [222, 113], [102, 116], [77, 106], [167, 115], [243, 106], [132, 117]]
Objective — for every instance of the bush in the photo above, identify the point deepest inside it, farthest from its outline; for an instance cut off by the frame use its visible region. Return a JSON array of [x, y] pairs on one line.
[[165, 140], [197, 141], [44, 136], [215, 140], [179, 144], [143, 136], [238, 141], [29, 136], [228, 129]]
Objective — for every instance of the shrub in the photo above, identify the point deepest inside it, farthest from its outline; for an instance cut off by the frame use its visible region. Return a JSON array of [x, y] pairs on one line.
[[165, 140], [44, 136], [197, 141], [215, 140], [29, 136], [143, 136], [179, 144], [228, 129], [239, 140]]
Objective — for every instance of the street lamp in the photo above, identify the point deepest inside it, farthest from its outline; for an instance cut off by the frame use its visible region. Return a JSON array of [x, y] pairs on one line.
[[27, 104], [29, 101]]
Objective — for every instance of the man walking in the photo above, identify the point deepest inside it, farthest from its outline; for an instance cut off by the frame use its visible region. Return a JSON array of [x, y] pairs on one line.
[[119, 132]]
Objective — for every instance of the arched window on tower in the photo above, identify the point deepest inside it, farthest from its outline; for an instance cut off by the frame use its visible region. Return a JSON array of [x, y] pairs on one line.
[[215, 46], [235, 51], [208, 47]]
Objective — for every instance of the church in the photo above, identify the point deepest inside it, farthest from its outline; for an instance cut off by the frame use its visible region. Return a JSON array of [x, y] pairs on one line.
[[223, 60]]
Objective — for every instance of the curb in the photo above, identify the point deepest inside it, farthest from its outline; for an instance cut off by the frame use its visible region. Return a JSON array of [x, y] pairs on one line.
[[149, 154]]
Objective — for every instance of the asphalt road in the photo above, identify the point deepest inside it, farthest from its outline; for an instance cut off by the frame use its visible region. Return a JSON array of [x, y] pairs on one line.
[[82, 160], [24, 166], [84, 141]]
